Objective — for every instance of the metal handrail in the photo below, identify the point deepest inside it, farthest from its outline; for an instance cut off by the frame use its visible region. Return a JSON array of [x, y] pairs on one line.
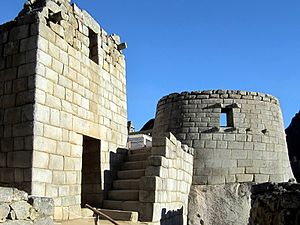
[[99, 213]]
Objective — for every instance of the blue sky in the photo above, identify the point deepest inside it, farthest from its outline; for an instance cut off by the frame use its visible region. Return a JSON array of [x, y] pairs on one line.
[[186, 45]]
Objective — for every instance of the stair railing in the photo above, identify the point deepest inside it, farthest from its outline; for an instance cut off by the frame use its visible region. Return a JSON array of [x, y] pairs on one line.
[[99, 213]]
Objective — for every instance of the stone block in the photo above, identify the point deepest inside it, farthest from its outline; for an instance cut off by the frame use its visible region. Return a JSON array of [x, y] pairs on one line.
[[6, 194], [19, 195], [261, 178], [158, 161], [56, 162], [150, 183], [44, 206], [58, 177], [11, 48], [244, 177], [26, 70], [235, 145], [216, 180], [19, 32], [210, 144], [229, 137], [21, 209], [238, 154], [28, 43], [147, 196], [245, 163], [44, 58], [44, 221], [221, 144], [52, 132], [41, 175], [4, 211], [26, 97], [63, 148], [53, 102], [19, 159]]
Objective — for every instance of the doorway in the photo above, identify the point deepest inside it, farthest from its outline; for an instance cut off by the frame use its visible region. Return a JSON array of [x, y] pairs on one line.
[[91, 192]]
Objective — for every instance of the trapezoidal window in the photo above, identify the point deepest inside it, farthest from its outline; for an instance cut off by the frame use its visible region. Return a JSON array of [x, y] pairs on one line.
[[93, 46], [226, 118]]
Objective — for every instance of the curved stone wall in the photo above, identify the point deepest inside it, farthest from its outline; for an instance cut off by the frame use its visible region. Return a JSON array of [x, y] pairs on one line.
[[251, 147]]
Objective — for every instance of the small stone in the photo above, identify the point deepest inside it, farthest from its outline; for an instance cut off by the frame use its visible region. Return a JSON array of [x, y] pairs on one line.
[[19, 195], [22, 209], [44, 221], [6, 194], [12, 215], [43, 205], [4, 211]]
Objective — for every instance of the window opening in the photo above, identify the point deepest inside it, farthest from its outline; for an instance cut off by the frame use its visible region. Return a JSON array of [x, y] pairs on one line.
[[93, 46], [226, 118]]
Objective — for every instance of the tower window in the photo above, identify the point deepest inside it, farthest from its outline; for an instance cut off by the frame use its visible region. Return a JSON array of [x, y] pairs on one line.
[[226, 118], [93, 46]]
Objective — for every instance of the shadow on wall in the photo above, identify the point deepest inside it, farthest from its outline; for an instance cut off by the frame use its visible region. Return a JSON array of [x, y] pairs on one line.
[[172, 217], [116, 159]]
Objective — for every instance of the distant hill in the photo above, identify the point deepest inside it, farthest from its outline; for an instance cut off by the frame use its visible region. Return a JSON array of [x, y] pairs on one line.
[[293, 142]]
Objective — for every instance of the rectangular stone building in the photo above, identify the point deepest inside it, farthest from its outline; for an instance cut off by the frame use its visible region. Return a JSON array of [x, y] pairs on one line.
[[63, 109]]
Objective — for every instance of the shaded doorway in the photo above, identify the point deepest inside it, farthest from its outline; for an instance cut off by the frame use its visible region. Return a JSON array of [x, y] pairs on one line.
[[91, 192]]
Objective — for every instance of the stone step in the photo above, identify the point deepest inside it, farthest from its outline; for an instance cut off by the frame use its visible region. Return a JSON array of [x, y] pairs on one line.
[[122, 205], [134, 165], [131, 174], [121, 215], [91, 221], [137, 157], [123, 195], [129, 184], [138, 151]]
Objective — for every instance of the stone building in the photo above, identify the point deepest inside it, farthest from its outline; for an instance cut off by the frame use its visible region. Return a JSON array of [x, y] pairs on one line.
[[239, 140], [63, 120], [63, 127], [248, 146], [63, 109]]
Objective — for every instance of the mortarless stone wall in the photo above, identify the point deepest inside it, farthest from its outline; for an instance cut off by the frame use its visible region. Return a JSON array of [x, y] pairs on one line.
[[165, 188], [251, 147], [62, 81]]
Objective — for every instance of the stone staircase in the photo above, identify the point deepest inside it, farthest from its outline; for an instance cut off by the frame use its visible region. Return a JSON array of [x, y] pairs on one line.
[[123, 200]]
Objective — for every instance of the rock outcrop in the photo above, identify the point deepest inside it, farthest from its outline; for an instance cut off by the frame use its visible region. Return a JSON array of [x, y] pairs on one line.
[[293, 142], [275, 204], [16, 207]]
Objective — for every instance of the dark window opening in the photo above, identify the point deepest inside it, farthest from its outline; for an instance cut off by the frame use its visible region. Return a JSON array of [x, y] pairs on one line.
[[91, 172], [226, 118], [93, 46]]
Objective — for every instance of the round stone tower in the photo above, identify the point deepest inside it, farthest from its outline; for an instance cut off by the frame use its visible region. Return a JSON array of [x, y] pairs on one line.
[[238, 136]]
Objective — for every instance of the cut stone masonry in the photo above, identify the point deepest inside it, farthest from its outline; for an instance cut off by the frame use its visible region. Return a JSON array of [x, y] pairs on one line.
[[64, 131]]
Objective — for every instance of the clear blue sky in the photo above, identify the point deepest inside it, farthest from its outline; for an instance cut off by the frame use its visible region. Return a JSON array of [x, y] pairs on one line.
[[186, 45]]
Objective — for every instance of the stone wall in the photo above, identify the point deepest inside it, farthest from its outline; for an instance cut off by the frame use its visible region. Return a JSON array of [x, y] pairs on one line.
[[165, 187], [275, 204], [18, 43], [62, 80], [249, 147], [17, 208]]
